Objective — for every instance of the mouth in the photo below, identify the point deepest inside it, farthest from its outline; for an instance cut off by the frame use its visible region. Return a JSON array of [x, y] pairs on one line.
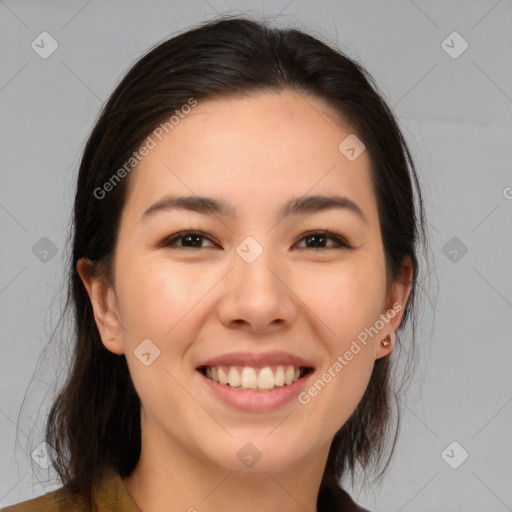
[[255, 379]]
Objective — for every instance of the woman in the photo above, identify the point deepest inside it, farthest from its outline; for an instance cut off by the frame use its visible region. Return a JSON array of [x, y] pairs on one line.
[[244, 253]]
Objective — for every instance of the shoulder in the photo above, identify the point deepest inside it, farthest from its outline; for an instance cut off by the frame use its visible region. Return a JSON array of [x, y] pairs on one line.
[[111, 496], [49, 502]]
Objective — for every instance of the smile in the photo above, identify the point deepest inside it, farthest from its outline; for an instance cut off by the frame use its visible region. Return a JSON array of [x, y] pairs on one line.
[[253, 379]]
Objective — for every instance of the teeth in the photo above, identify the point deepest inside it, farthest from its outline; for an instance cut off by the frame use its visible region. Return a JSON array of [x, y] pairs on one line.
[[265, 378], [258, 379], [288, 376], [248, 379], [279, 377], [223, 376], [233, 377]]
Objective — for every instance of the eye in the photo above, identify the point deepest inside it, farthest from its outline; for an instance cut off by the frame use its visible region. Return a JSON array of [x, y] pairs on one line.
[[193, 240], [319, 238], [190, 240]]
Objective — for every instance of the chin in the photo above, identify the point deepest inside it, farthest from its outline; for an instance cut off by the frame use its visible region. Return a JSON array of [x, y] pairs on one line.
[[259, 453]]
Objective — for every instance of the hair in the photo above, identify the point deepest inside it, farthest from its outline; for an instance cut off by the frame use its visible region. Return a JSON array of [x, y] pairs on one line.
[[94, 422]]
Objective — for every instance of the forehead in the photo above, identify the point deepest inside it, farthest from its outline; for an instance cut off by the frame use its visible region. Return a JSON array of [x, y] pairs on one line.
[[253, 152]]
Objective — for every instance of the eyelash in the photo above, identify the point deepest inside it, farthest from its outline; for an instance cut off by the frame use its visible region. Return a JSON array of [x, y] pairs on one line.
[[341, 243]]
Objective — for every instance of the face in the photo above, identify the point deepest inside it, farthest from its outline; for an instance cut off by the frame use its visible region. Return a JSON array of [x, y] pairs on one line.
[[257, 285]]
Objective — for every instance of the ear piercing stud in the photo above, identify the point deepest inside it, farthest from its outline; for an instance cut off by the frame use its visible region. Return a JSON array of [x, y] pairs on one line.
[[386, 343]]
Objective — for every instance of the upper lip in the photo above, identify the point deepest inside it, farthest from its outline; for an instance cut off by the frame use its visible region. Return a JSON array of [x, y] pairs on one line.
[[257, 360]]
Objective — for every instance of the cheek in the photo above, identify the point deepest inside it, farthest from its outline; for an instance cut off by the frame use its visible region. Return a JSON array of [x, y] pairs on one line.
[[153, 297], [346, 299]]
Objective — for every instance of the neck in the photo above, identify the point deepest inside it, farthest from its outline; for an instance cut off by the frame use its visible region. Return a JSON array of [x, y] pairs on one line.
[[170, 477]]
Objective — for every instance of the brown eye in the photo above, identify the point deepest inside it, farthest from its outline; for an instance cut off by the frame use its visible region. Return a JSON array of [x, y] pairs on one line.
[[318, 239], [188, 239]]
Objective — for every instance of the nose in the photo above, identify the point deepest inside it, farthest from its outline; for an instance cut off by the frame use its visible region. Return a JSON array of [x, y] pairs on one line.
[[258, 296]]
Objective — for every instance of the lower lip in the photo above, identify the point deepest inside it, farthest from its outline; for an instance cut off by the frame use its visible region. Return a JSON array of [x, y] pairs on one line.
[[254, 401]]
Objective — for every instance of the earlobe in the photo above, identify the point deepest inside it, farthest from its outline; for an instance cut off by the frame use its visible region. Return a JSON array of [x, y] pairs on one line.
[[103, 302], [395, 306], [385, 346]]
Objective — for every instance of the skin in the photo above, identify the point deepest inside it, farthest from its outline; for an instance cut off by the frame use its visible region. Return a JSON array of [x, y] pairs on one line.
[[256, 153]]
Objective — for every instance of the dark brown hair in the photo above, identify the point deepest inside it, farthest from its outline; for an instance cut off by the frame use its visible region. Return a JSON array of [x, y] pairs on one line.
[[94, 423]]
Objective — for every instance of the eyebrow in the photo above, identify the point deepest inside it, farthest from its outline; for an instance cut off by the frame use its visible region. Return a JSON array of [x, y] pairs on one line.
[[210, 206]]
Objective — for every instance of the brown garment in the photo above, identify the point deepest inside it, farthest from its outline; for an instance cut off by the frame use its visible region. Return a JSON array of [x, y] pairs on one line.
[[113, 496]]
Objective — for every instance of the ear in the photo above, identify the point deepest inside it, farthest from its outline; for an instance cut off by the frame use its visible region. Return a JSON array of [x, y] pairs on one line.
[[393, 309], [104, 304]]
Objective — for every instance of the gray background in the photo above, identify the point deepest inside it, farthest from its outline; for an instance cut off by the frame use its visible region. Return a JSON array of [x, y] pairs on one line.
[[456, 115]]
